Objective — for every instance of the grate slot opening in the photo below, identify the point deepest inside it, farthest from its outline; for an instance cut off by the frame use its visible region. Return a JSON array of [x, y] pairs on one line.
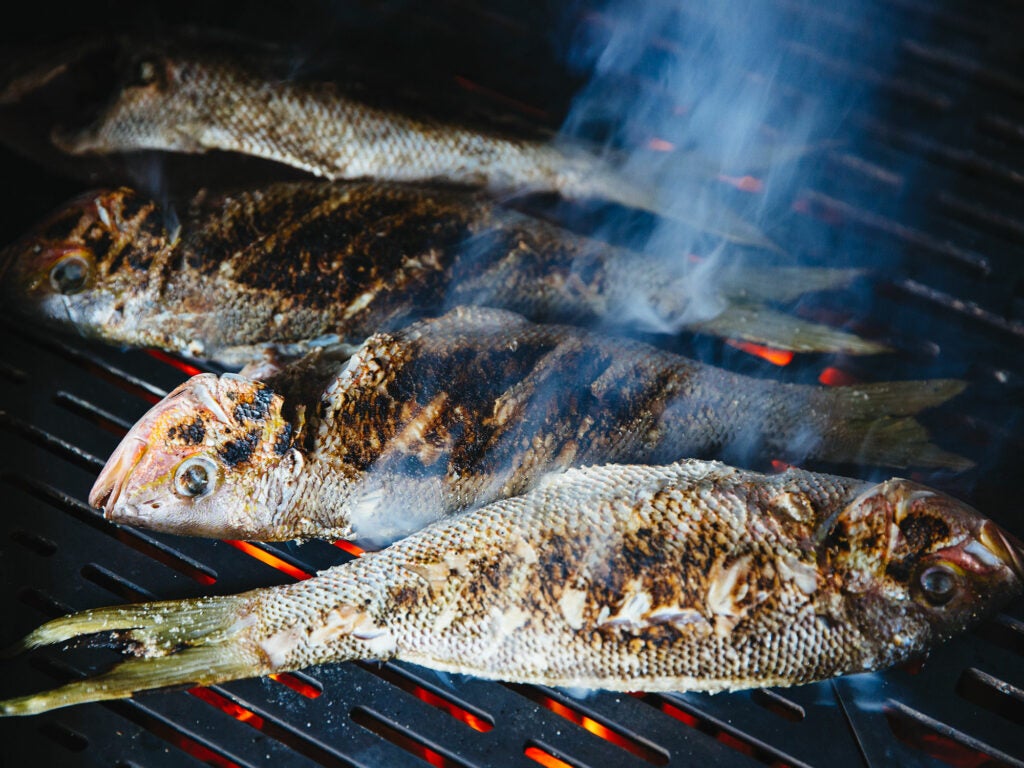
[[265, 556], [41, 545], [546, 757], [175, 362], [115, 584], [992, 694], [779, 705], [942, 742], [728, 737], [347, 546], [301, 683], [597, 726], [60, 448], [377, 724], [71, 740], [275, 730], [202, 751], [465, 713], [137, 541]]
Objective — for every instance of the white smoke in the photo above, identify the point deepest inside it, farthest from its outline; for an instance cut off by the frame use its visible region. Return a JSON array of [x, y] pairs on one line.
[[695, 102]]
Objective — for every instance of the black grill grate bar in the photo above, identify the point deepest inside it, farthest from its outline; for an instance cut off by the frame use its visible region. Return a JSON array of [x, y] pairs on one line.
[[961, 307], [899, 708]]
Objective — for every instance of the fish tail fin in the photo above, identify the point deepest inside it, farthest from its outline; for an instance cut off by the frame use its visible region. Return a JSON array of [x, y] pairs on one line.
[[204, 665], [874, 424], [783, 283], [194, 642], [761, 325], [693, 204]]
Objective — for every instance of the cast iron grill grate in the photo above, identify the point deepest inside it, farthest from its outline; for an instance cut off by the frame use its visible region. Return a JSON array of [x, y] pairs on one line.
[[955, 106]]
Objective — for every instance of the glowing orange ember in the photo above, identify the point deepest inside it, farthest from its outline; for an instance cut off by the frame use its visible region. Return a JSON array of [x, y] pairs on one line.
[[266, 557], [228, 707], [181, 365], [600, 730], [780, 466], [545, 758], [676, 713], [349, 547], [452, 709], [299, 686], [743, 183], [660, 145], [836, 377], [774, 356]]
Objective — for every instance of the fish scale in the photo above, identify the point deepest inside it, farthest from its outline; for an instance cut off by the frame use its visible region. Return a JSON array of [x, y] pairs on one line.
[[681, 577]]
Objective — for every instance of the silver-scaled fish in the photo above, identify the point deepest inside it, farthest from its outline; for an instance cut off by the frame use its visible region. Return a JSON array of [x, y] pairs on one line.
[[175, 102], [462, 410], [282, 266], [693, 576]]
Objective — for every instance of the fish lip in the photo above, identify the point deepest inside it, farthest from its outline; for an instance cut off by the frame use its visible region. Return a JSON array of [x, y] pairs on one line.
[[1007, 548], [107, 489]]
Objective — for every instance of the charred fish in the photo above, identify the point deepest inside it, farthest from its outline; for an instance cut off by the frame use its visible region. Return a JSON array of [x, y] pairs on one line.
[[693, 576], [282, 267], [459, 411]]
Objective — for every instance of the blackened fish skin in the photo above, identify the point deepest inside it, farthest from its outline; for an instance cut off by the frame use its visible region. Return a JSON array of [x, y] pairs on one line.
[[692, 576], [281, 267], [459, 411]]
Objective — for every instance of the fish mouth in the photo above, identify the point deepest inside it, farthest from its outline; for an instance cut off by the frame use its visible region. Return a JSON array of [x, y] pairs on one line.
[[107, 489], [1007, 548]]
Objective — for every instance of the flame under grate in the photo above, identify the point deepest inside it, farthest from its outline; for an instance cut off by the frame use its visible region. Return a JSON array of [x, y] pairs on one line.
[[65, 405]]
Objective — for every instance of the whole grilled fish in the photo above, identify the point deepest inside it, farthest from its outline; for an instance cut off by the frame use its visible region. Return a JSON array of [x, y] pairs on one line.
[[194, 103], [693, 576], [462, 410], [287, 265]]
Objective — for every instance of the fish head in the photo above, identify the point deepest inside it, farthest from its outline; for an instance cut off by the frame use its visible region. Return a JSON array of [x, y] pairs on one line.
[[923, 563], [213, 458], [158, 100], [85, 266]]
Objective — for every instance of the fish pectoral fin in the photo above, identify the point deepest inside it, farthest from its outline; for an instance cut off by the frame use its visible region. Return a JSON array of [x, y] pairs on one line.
[[195, 642]]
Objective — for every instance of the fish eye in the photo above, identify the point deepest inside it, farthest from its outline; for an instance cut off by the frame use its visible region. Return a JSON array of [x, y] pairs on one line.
[[939, 583], [194, 477], [70, 274]]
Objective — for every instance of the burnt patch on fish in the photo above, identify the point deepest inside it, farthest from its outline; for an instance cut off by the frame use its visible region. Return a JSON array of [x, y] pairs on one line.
[[257, 409], [235, 452], [189, 434], [921, 531], [283, 441]]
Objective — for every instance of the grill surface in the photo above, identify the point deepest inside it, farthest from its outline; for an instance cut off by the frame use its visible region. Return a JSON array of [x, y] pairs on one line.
[[939, 179]]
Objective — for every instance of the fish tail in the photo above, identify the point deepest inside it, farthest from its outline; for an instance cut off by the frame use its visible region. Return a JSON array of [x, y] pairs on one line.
[[204, 665], [194, 642], [761, 325], [586, 176], [874, 424], [783, 283]]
